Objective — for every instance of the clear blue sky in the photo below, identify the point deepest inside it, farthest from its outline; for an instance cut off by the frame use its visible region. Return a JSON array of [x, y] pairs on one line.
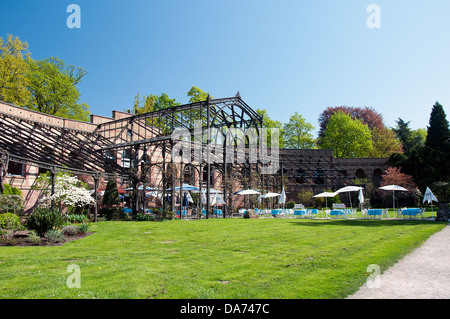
[[284, 56]]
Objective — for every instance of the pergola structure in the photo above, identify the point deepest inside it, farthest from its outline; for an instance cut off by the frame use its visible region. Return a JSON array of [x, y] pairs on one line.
[[199, 134], [216, 143]]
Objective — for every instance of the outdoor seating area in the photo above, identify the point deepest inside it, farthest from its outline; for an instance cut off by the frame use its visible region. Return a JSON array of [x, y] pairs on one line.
[[189, 210], [334, 213]]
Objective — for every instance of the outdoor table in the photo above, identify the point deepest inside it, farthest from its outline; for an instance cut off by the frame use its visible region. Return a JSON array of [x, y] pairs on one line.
[[276, 211], [411, 212], [375, 212], [299, 212], [337, 212]]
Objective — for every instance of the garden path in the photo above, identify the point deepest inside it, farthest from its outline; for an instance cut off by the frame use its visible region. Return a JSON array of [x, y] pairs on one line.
[[423, 274]]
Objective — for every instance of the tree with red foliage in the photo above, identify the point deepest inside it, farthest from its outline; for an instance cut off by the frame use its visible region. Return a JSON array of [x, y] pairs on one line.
[[393, 176]]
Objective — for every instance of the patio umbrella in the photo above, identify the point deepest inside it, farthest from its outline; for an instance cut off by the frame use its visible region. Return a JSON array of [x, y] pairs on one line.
[[214, 200], [348, 189], [282, 199], [185, 200], [203, 197], [189, 198], [211, 191], [247, 192], [326, 195], [393, 188], [429, 197], [148, 188], [361, 198], [186, 187], [270, 195], [220, 200]]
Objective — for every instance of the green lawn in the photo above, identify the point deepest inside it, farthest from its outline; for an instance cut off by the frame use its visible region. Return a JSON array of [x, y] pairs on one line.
[[216, 258]]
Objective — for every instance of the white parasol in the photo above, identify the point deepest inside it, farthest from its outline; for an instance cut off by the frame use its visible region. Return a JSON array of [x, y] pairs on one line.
[[393, 188]]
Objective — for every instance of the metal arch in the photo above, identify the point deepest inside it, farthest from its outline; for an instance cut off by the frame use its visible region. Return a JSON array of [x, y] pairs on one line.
[[161, 132]]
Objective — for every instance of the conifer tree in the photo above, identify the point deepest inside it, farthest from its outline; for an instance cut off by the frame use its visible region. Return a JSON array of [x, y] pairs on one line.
[[438, 133], [111, 196]]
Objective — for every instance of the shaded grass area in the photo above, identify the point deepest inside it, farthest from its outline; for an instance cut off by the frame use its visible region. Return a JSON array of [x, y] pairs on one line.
[[217, 258]]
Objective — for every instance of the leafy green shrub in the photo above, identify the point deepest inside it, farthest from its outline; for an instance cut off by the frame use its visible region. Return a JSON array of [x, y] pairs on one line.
[[144, 217], [9, 190], [34, 238], [73, 230], [77, 218], [10, 203], [166, 214], [9, 221], [55, 236], [70, 230], [83, 228], [306, 198], [7, 236], [290, 205], [44, 219]]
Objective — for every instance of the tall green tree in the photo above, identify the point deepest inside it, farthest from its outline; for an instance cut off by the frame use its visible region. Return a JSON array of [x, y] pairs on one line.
[[269, 124], [347, 137], [196, 94], [385, 143], [151, 103], [14, 71], [438, 133], [411, 140], [144, 105], [297, 133], [436, 152], [111, 195], [53, 88], [427, 155]]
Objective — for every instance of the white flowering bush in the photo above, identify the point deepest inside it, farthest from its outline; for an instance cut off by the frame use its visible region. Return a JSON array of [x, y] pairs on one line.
[[69, 192]]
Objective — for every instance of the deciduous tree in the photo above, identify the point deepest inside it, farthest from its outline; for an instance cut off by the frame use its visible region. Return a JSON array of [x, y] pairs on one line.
[[347, 137], [297, 133], [14, 71], [53, 88]]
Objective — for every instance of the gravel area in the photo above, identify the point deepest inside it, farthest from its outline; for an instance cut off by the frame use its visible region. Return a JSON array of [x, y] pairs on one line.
[[423, 274]]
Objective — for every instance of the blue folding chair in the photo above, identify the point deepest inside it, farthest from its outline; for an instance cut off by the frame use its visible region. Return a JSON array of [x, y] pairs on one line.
[[312, 213]]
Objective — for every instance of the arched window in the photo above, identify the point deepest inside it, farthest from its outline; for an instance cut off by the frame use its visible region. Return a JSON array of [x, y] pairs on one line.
[[360, 173], [377, 177]]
